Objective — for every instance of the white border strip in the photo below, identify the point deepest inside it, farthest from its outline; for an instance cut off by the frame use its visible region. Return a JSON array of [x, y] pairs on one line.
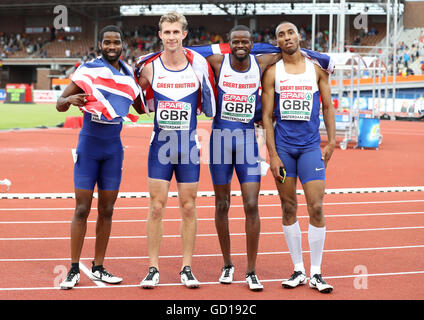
[[12, 196]]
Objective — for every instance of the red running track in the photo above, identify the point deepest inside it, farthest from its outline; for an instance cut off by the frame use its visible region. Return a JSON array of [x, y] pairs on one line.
[[374, 245]]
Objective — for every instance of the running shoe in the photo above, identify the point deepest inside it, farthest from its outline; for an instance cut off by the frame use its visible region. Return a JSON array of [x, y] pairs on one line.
[[253, 282], [151, 280], [227, 274], [317, 282], [71, 280], [296, 279], [98, 273], [188, 279]]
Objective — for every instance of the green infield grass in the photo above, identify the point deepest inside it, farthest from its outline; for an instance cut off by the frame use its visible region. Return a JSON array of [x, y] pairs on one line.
[[45, 115]]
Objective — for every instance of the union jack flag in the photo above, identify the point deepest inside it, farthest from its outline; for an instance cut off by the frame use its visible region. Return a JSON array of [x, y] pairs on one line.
[[324, 61], [111, 92], [204, 73]]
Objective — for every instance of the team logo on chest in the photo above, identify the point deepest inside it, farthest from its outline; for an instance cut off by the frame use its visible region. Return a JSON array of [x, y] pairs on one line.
[[238, 108], [173, 115], [296, 102]]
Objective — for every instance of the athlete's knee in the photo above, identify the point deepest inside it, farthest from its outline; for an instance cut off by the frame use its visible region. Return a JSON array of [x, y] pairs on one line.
[[222, 206], [105, 210], [81, 212], [316, 213], [156, 210], [251, 207], [188, 209]]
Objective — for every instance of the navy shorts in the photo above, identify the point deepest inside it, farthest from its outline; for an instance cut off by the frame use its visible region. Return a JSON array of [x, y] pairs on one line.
[[170, 152], [234, 150], [303, 163], [98, 161]]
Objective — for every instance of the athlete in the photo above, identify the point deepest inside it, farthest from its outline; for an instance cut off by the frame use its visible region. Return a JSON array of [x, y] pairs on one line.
[[294, 85], [233, 144], [99, 154], [174, 147]]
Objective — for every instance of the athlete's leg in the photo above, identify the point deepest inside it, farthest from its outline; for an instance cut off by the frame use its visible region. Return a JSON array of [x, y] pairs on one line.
[[314, 194], [79, 222], [222, 206], [250, 193], [106, 202], [187, 193], [158, 190], [288, 198]]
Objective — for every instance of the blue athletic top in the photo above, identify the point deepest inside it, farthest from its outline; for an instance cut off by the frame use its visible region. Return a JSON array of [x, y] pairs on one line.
[[238, 103], [297, 108], [176, 97]]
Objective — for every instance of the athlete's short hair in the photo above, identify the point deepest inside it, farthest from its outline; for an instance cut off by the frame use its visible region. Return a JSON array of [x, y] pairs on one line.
[[240, 27], [284, 22], [172, 17], [111, 28]]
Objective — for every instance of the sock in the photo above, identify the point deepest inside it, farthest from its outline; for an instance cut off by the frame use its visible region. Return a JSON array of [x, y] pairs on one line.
[[75, 266], [316, 238], [293, 238]]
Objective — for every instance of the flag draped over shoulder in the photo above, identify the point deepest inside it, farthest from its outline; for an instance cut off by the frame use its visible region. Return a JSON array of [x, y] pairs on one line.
[[111, 93], [324, 61], [204, 74]]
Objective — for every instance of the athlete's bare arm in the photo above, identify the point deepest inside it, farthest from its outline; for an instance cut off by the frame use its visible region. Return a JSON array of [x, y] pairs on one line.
[[215, 61], [146, 76], [327, 112], [267, 60], [72, 95], [268, 96]]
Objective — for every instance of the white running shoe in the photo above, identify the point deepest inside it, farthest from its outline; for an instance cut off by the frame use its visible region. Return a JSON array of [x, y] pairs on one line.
[[227, 274], [98, 273], [317, 282], [151, 280], [188, 279], [71, 280], [296, 279], [253, 282]]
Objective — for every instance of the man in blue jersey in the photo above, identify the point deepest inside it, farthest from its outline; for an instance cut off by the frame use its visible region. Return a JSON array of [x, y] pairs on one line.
[[233, 144], [174, 147], [98, 159], [291, 92]]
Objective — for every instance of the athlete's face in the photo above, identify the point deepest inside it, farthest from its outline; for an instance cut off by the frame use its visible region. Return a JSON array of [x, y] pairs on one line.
[[172, 35], [288, 38], [240, 44], [111, 46]]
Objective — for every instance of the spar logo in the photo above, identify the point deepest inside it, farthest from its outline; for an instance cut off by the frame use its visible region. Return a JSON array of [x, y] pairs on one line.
[[176, 105]]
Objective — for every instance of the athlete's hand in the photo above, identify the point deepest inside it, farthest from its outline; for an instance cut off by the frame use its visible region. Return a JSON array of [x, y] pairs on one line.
[[327, 152], [277, 169], [77, 99]]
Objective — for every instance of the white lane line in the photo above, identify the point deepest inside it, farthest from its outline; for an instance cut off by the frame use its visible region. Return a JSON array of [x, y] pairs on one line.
[[236, 193], [213, 219], [87, 272], [211, 234], [212, 206], [419, 246], [388, 274]]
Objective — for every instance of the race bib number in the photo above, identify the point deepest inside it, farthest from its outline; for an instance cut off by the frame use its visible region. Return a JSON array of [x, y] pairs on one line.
[[96, 118], [173, 115], [238, 108], [296, 105]]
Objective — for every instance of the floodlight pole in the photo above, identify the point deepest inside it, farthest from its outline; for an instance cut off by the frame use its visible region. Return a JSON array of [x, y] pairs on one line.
[[330, 28], [313, 27], [395, 18], [387, 52]]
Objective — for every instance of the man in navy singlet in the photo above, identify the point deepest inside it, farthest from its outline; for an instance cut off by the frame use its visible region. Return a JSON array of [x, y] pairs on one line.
[[99, 155], [174, 147], [233, 144], [291, 92]]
